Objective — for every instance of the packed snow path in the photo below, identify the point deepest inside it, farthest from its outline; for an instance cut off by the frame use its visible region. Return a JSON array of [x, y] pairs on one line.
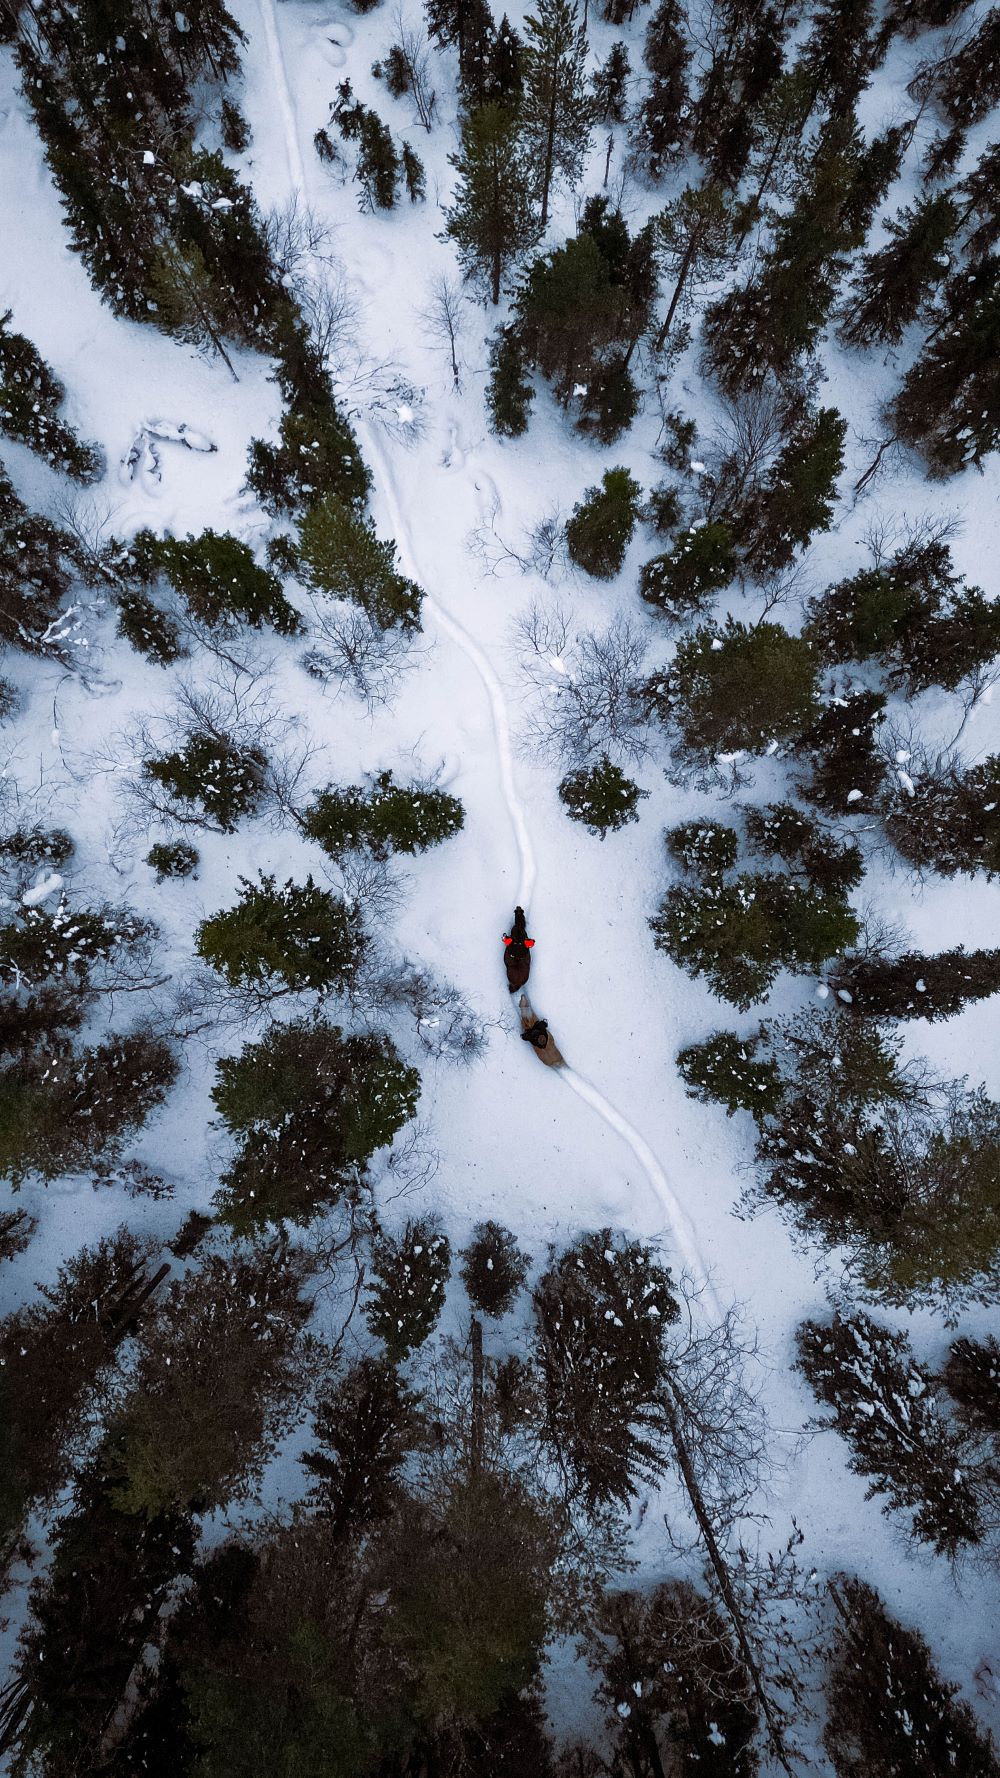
[[680, 1223]]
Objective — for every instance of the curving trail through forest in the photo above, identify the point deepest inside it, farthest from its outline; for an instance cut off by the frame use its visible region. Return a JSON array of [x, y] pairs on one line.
[[680, 1223]]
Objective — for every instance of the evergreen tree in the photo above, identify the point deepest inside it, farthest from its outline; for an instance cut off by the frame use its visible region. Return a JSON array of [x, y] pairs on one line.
[[916, 986], [966, 85], [600, 527], [342, 557], [708, 849], [610, 401], [414, 177], [377, 166], [35, 578], [948, 407], [601, 796], [149, 630], [309, 1108], [780, 830], [736, 689], [972, 1378], [407, 1295], [678, 1696], [492, 220], [609, 85], [219, 1372], [30, 398], [509, 394], [281, 941], [602, 1314], [889, 1713], [493, 1269], [726, 1070], [745, 61], [841, 53], [317, 453], [951, 823], [216, 576], [884, 1407], [556, 111], [662, 125], [847, 767], [213, 780], [696, 241], [383, 819], [894, 287], [702, 561], [796, 497], [172, 858], [66, 1110], [366, 1426], [739, 935], [980, 207]]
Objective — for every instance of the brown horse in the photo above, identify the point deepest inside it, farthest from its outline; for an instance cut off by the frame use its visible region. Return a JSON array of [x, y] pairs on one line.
[[517, 952], [536, 1032]]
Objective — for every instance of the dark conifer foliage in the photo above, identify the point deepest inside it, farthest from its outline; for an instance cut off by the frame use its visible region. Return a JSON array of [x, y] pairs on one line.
[[365, 1426], [972, 1378], [948, 408], [663, 123], [950, 824], [894, 286], [493, 220], [30, 398], [493, 1268], [883, 1405], [847, 765], [916, 986], [889, 1711]]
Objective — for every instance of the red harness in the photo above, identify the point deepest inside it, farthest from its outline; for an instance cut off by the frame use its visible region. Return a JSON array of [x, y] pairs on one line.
[[527, 942]]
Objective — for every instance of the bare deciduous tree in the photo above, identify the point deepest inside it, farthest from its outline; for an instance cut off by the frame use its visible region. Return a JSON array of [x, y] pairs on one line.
[[589, 687], [443, 316], [353, 653]]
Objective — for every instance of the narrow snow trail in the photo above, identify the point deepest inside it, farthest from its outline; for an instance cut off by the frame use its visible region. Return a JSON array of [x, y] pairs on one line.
[[680, 1223]]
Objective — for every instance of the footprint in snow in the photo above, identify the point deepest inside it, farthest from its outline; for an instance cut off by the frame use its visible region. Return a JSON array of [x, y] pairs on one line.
[[337, 32], [453, 456], [332, 53]]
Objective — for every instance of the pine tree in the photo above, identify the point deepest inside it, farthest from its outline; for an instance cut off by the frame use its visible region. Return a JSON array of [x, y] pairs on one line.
[[342, 557], [36, 576], [966, 85], [889, 1711], [377, 167], [281, 941], [884, 1407], [600, 527], [309, 1108], [980, 207], [414, 177], [841, 53], [493, 1269], [556, 111], [213, 780], [745, 46], [65, 1110], [893, 287], [30, 398], [677, 1693], [780, 830], [366, 1426], [796, 497], [407, 1296], [220, 1370], [696, 239], [601, 796], [847, 766], [172, 858], [385, 818], [734, 689], [216, 576], [609, 84], [683, 580], [948, 407], [662, 125], [972, 1378], [951, 822], [726, 1070], [602, 1314], [708, 849], [739, 935], [916, 986], [509, 394], [492, 220]]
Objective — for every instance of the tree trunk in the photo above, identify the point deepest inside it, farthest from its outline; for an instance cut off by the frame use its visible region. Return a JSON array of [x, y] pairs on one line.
[[476, 1438], [550, 145], [682, 278]]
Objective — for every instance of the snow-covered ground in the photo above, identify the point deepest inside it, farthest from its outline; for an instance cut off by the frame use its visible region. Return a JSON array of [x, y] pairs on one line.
[[613, 1140]]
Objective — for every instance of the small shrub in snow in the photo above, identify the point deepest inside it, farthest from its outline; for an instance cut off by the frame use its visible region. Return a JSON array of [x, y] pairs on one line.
[[682, 581], [235, 129], [662, 509], [493, 1268], [408, 1292], [602, 797], [29, 849], [384, 818], [600, 527], [883, 1405], [172, 858], [708, 849]]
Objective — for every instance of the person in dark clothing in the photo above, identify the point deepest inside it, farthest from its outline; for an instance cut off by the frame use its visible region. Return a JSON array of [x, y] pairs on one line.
[[538, 1034], [517, 952]]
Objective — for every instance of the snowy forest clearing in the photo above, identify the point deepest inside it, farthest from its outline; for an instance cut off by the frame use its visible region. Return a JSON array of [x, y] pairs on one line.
[[470, 711]]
